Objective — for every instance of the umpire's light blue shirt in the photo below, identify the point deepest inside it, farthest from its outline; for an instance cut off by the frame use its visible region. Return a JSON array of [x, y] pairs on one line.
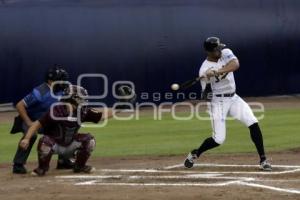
[[39, 101]]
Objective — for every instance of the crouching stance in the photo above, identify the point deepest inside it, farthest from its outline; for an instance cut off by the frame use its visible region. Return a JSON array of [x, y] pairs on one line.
[[82, 144], [61, 125]]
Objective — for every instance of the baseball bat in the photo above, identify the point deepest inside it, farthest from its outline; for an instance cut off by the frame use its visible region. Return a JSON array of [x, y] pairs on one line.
[[189, 83]]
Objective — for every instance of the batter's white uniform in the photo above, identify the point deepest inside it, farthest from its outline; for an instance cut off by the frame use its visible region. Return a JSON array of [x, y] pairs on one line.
[[221, 107]]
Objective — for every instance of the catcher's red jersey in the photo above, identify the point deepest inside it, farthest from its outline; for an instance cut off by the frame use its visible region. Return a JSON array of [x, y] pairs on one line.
[[63, 131]]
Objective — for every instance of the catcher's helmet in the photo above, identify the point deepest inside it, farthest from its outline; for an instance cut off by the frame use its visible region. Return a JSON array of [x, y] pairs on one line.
[[57, 73], [213, 44], [75, 95]]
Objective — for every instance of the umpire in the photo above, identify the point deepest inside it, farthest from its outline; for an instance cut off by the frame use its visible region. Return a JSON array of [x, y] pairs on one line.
[[31, 108]]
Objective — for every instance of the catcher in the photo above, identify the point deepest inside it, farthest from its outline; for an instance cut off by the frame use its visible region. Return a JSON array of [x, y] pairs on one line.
[[61, 132]]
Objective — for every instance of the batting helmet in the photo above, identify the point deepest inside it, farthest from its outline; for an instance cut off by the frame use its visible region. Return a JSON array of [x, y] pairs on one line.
[[213, 44]]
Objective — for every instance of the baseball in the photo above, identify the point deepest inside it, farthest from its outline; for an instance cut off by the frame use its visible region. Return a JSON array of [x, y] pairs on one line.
[[175, 86]]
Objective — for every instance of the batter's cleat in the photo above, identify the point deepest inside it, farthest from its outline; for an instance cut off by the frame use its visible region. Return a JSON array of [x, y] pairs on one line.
[[86, 169], [65, 164], [19, 169], [265, 166], [38, 172], [189, 161]]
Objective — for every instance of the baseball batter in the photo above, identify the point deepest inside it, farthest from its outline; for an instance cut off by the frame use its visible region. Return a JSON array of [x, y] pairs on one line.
[[217, 71]]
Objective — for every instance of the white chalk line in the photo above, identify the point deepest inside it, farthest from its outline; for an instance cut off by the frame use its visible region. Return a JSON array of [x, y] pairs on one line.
[[195, 177], [119, 176], [89, 177], [259, 173], [133, 170], [241, 181], [189, 176], [136, 177], [278, 180], [222, 184], [228, 165], [293, 191], [94, 182], [195, 171]]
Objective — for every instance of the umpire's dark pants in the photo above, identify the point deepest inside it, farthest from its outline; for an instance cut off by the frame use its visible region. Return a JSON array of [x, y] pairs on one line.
[[21, 155]]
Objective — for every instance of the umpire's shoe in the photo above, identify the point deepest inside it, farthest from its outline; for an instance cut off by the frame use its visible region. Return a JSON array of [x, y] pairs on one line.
[[86, 169], [265, 166], [189, 161], [19, 169]]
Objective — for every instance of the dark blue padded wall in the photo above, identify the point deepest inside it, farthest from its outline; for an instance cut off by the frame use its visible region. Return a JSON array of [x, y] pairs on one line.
[[152, 43]]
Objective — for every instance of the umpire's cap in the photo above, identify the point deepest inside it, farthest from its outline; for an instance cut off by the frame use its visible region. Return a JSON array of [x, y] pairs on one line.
[[57, 73], [213, 44]]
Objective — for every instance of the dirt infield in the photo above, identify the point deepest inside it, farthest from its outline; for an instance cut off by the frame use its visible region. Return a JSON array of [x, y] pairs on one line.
[[214, 177]]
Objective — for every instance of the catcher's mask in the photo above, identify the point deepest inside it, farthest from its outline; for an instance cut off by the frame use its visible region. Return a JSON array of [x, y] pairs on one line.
[[76, 95]]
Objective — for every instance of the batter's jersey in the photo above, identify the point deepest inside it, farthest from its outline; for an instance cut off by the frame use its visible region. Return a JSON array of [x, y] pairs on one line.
[[224, 83], [39, 101]]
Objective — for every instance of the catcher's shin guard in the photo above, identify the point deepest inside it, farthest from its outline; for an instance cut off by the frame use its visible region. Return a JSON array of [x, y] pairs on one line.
[[45, 152], [87, 146]]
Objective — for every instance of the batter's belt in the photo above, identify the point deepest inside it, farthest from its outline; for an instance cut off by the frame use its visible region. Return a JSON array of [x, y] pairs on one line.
[[225, 95]]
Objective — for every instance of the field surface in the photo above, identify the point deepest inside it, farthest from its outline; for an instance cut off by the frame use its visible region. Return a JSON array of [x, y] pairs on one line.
[[142, 159]]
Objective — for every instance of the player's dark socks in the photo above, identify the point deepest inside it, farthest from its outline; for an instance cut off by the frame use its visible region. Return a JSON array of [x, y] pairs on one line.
[[209, 143], [81, 158], [257, 139], [21, 155]]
